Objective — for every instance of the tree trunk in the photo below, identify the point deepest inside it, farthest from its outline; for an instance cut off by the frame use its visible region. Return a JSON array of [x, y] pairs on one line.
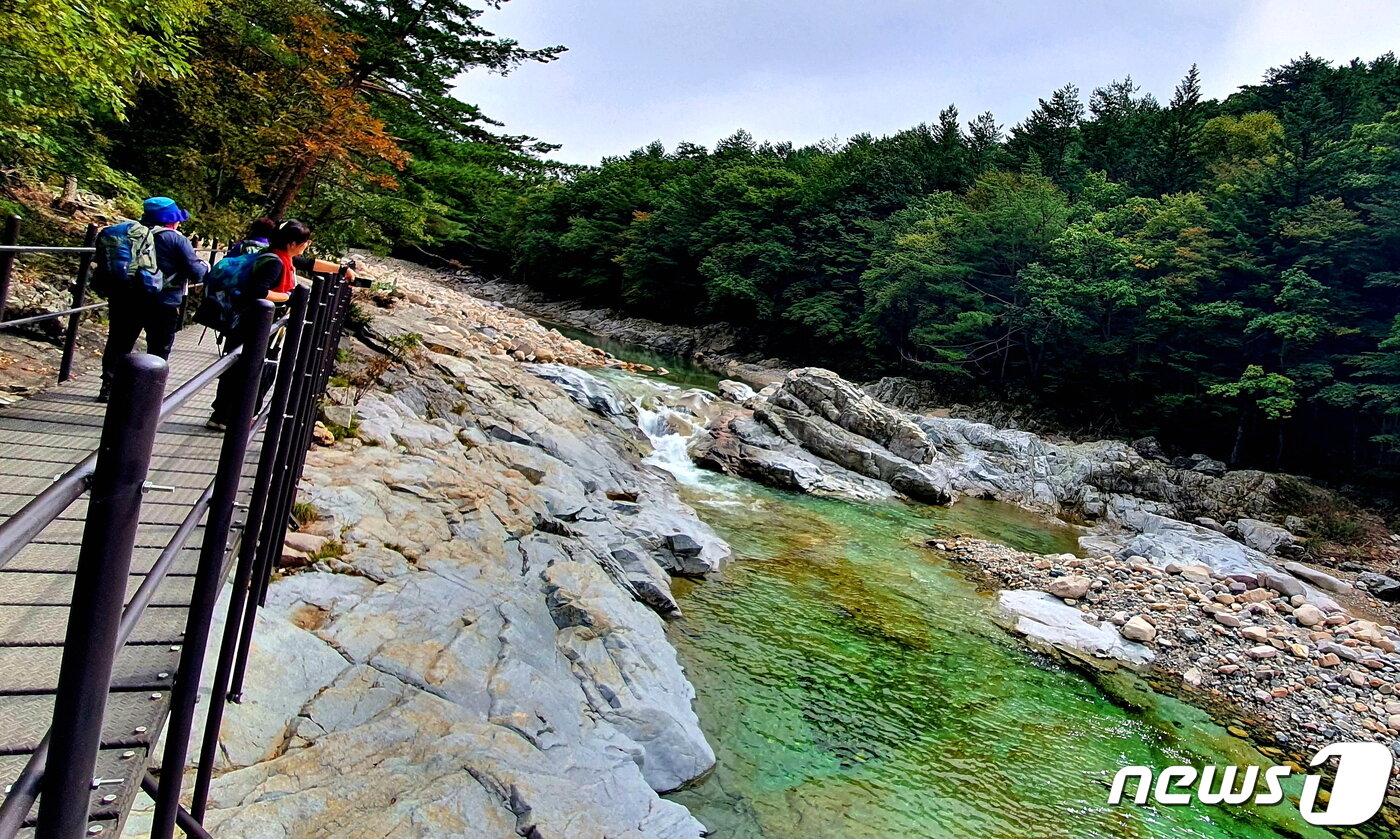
[[1239, 437], [289, 189]]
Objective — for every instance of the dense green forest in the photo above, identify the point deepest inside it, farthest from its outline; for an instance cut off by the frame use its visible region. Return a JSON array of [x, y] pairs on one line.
[[1224, 274]]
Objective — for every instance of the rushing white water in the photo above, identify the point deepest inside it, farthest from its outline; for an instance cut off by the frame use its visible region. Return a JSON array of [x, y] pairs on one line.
[[672, 419], [670, 433]]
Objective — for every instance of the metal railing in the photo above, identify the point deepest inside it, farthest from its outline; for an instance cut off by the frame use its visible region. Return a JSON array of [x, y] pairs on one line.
[[10, 249], [60, 773]]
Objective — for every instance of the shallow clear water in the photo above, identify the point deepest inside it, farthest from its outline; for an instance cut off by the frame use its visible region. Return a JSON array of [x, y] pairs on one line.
[[853, 684]]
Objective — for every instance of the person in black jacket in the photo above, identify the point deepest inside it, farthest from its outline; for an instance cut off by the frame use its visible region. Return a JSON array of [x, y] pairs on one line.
[[132, 309], [273, 276]]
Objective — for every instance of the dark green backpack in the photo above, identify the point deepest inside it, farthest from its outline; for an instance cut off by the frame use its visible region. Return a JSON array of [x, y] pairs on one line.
[[225, 287]]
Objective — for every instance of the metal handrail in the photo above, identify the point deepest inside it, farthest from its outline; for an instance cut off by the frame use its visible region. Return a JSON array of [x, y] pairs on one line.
[[63, 249], [25, 788], [51, 315], [19, 529], [102, 304], [56, 769], [9, 249]]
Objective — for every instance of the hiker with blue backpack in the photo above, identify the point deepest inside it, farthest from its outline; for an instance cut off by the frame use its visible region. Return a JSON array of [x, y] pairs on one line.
[[143, 269], [241, 279]]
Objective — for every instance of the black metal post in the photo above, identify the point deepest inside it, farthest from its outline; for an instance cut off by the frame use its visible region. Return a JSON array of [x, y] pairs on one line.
[[70, 340], [209, 577], [234, 644], [7, 261], [99, 590], [274, 520], [304, 411], [311, 390], [187, 822]]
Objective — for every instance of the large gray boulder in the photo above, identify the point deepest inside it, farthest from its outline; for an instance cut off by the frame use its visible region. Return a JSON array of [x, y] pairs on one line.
[[835, 420], [1048, 622], [1263, 536], [738, 444], [1166, 541], [1383, 587], [827, 395]]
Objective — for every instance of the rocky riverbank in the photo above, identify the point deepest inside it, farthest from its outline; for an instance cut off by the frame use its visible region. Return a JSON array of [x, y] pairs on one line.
[[718, 346], [1289, 668], [1117, 487], [1218, 607], [467, 636]]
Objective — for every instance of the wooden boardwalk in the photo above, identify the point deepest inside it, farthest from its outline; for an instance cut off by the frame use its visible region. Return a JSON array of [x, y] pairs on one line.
[[41, 438]]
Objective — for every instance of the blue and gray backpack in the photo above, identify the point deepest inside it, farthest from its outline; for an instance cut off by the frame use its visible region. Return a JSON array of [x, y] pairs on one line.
[[126, 258], [224, 288]]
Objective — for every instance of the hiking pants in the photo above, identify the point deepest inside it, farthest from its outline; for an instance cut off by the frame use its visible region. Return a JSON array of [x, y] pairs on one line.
[[128, 317], [224, 400]]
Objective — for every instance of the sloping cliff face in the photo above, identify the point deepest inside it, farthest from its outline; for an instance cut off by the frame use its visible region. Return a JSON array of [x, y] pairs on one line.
[[486, 657]]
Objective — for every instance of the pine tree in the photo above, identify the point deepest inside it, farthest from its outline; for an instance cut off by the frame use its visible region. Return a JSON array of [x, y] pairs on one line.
[[1179, 137], [984, 143], [412, 50], [1119, 139], [951, 169], [1052, 134]]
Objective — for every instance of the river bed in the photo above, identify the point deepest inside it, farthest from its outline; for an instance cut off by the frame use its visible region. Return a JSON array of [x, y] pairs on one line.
[[854, 684]]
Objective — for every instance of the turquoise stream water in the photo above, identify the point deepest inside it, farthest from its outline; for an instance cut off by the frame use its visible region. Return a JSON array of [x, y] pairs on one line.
[[854, 684]]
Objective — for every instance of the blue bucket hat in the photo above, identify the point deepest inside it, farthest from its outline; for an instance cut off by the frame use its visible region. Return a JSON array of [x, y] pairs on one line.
[[162, 211]]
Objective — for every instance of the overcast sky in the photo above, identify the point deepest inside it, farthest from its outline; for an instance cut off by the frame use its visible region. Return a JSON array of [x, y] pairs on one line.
[[805, 70]]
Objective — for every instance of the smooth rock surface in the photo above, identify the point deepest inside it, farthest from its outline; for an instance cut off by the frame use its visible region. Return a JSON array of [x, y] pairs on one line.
[[1045, 619], [1263, 536], [487, 658], [1321, 579]]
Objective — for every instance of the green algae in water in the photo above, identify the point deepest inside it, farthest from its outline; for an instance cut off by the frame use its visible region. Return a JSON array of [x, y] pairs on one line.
[[854, 685]]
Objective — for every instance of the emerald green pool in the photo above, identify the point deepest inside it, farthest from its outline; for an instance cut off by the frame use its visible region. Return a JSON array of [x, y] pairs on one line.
[[853, 684]]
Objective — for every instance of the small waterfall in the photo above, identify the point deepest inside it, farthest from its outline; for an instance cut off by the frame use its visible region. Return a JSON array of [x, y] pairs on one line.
[[671, 418], [670, 433]]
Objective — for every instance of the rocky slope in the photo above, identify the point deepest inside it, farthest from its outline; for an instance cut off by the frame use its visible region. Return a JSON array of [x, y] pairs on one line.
[[717, 345], [470, 638]]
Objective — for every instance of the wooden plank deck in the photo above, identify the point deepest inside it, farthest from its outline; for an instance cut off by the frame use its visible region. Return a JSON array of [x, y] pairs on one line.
[[40, 439]]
